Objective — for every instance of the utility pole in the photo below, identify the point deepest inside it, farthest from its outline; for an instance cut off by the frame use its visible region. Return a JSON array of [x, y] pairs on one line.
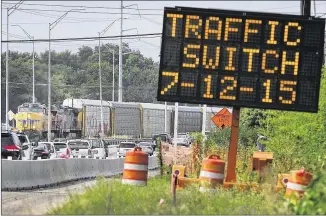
[[203, 128], [306, 7], [13, 8], [120, 56], [31, 38], [165, 117], [175, 133]]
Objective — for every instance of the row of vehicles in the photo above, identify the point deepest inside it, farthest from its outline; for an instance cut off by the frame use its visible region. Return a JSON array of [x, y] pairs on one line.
[[82, 118], [183, 139], [19, 147]]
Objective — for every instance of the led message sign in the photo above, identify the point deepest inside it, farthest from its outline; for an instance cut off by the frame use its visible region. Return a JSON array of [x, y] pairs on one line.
[[242, 59]]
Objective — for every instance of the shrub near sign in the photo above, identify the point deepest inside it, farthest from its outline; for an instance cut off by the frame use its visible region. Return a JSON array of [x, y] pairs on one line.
[[241, 59]]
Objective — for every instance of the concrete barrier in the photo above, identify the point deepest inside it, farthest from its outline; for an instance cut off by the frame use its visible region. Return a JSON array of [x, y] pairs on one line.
[[17, 174]]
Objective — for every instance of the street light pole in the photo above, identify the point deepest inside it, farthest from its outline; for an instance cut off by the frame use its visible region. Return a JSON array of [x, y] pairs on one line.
[[7, 61], [120, 57], [31, 38], [49, 88], [113, 70], [33, 73], [51, 27], [100, 76], [100, 73], [7, 73]]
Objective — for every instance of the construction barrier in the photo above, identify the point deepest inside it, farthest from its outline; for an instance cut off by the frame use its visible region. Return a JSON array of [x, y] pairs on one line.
[[18, 174], [297, 183], [211, 173], [135, 171], [282, 180]]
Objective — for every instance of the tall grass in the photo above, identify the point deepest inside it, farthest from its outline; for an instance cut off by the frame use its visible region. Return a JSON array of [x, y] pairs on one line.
[[111, 197]]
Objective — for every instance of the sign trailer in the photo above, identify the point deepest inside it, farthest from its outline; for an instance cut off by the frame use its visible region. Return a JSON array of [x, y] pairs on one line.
[[241, 59]]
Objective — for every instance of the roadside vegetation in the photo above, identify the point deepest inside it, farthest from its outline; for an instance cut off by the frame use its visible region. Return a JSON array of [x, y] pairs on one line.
[[296, 139], [111, 197]]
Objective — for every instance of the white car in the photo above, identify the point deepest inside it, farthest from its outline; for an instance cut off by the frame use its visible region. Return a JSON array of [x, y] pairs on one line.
[[146, 147], [124, 147], [26, 147], [80, 147], [62, 149], [98, 148]]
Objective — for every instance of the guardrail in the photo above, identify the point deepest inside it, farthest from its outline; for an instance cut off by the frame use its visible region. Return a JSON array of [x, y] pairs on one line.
[[18, 175]]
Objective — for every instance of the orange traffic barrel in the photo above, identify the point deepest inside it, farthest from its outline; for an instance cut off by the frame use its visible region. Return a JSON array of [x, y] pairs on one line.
[[135, 169], [297, 183], [282, 180], [211, 173]]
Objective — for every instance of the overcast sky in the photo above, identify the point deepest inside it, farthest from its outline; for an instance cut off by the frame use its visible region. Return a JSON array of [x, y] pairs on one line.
[[35, 18]]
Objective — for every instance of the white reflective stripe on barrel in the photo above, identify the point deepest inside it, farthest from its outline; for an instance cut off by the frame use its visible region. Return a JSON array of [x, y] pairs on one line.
[[138, 167], [294, 186], [211, 175], [203, 189], [133, 182]]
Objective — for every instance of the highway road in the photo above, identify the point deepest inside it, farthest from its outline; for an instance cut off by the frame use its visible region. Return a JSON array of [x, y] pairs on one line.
[[37, 202]]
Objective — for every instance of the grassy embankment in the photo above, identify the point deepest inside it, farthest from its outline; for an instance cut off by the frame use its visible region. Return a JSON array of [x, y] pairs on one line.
[[111, 197]]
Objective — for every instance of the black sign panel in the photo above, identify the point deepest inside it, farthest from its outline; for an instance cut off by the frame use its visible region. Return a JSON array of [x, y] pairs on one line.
[[242, 59]]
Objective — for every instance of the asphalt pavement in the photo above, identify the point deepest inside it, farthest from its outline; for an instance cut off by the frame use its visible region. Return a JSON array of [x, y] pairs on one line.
[[39, 201]]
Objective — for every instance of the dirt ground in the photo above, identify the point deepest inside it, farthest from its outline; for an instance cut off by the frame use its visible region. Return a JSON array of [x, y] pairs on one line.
[[184, 155]]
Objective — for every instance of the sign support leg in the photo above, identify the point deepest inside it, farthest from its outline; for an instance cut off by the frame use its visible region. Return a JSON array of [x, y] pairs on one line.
[[232, 154]]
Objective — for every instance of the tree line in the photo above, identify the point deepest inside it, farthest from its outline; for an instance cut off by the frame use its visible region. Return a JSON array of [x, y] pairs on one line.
[[76, 75]]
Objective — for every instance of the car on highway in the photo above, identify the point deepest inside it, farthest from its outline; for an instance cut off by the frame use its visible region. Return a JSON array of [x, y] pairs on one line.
[[98, 148], [52, 151], [41, 150], [62, 149], [111, 147], [10, 146], [80, 147], [146, 147], [165, 137], [183, 140], [124, 147], [60, 140], [27, 148]]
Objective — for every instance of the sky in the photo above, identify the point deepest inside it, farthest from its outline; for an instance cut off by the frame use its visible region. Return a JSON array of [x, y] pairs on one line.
[[35, 16]]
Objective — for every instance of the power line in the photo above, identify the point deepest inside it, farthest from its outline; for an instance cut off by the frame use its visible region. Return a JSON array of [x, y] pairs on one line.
[[14, 35], [90, 7], [20, 84], [149, 35], [81, 21], [62, 85], [84, 12]]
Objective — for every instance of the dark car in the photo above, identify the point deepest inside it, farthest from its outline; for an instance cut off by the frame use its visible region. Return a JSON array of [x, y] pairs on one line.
[[41, 150], [165, 137], [11, 146]]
